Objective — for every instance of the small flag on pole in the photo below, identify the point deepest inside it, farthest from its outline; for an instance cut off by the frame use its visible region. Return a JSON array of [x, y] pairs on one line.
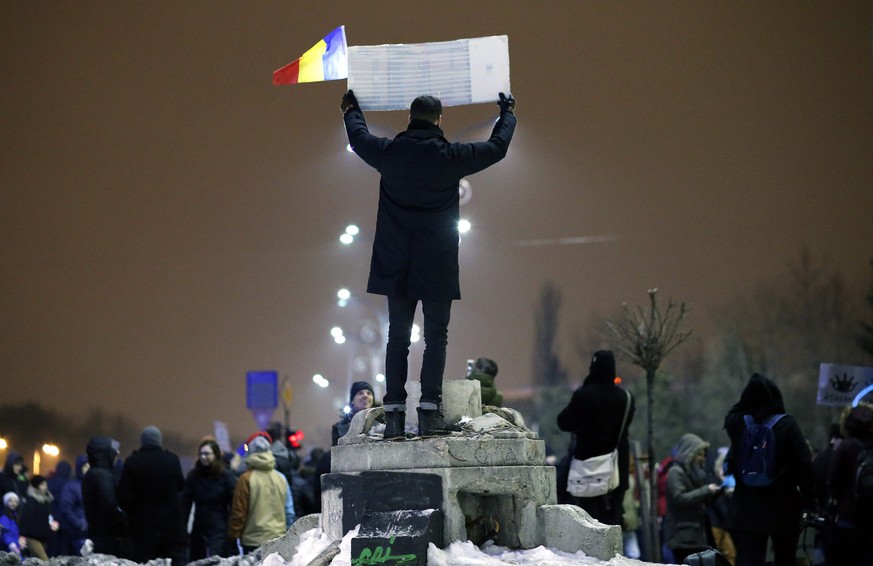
[[326, 61]]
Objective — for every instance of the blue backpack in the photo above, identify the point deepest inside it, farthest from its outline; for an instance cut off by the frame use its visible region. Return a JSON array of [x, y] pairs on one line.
[[757, 461]]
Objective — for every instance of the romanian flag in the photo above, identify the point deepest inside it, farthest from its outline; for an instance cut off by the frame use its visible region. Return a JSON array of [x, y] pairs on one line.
[[326, 61]]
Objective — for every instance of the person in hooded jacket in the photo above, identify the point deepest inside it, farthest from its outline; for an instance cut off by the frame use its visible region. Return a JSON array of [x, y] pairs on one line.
[[74, 525], [595, 415], [13, 478], [63, 472], [688, 491], [149, 489], [849, 542], [37, 524], [209, 487], [107, 524], [262, 504], [415, 249], [760, 513]]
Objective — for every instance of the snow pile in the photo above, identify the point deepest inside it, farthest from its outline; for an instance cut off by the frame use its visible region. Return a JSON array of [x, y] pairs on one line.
[[466, 553]]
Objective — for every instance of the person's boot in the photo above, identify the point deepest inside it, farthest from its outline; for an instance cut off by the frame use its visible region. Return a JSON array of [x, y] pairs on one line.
[[432, 422], [395, 424]]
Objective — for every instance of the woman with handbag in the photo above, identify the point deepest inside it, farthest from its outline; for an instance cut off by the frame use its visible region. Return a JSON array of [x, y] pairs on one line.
[[600, 413]]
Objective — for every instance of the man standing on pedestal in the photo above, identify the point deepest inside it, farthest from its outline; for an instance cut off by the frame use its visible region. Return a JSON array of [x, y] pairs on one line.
[[415, 252]]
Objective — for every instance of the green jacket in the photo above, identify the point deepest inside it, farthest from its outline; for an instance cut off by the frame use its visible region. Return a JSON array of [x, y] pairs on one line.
[[490, 395]]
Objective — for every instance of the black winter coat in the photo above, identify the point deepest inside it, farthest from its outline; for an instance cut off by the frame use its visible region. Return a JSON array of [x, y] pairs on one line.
[[415, 252], [212, 495], [594, 414], [149, 492], [778, 506], [105, 518], [34, 519]]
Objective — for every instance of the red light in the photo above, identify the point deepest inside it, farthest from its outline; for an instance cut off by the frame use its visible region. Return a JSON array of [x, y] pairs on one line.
[[617, 380], [295, 440]]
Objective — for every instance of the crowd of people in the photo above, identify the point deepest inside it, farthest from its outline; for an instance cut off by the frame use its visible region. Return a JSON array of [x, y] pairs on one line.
[[708, 499], [143, 507]]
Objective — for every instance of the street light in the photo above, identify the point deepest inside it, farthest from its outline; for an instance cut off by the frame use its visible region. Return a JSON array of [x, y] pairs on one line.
[[320, 380], [337, 334], [51, 449], [3, 444]]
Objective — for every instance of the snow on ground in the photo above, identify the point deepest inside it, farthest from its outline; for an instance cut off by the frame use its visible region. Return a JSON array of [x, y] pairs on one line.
[[457, 554]]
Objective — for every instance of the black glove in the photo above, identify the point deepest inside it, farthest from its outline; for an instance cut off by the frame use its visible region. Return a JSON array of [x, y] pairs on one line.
[[349, 101], [506, 104]]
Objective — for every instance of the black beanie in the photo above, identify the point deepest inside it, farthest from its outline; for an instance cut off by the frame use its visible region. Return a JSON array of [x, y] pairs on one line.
[[358, 386], [602, 364]]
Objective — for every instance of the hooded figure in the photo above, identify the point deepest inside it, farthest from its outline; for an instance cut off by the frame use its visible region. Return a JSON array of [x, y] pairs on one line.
[[774, 511], [688, 490], [595, 415], [262, 504], [13, 478], [74, 525], [107, 527]]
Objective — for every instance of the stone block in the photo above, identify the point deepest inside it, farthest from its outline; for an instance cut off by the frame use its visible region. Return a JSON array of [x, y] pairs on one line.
[[457, 450], [571, 528], [286, 545], [510, 494], [398, 536]]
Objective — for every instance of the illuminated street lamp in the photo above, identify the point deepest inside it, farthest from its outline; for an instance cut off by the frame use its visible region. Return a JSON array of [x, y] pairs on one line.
[[3, 444], [51, 450], [320, 381]]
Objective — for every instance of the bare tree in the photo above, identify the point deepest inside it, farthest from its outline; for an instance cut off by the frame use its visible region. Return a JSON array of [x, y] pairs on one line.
[[645, 336]]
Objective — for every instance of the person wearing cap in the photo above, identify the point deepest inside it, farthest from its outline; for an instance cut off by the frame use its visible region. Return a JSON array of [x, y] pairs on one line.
[[13, 542], [595, 414], [107, 523], [484, 371], [360, 398], [262, 507], [415, 249], [150, 493]]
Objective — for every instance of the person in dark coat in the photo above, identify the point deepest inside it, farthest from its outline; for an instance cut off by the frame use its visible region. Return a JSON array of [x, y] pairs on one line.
[[484, 371], [149, 490], [849, 543], [209, 487], [595, 415], [688, 492], [360, 398], [74, 525], [13, 478], [56, 544], [107, 524], [37, 524], [773, 512], [415, 251]]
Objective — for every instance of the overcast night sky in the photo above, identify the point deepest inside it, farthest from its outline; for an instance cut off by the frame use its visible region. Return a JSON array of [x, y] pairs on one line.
[[169, 218]]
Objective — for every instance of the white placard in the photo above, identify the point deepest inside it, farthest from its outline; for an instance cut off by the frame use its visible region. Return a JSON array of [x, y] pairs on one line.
[[839, 385], [464, 71]]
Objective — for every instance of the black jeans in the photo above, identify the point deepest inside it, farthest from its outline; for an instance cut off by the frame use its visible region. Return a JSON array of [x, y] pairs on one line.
[[436, 331], [752, 548]]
